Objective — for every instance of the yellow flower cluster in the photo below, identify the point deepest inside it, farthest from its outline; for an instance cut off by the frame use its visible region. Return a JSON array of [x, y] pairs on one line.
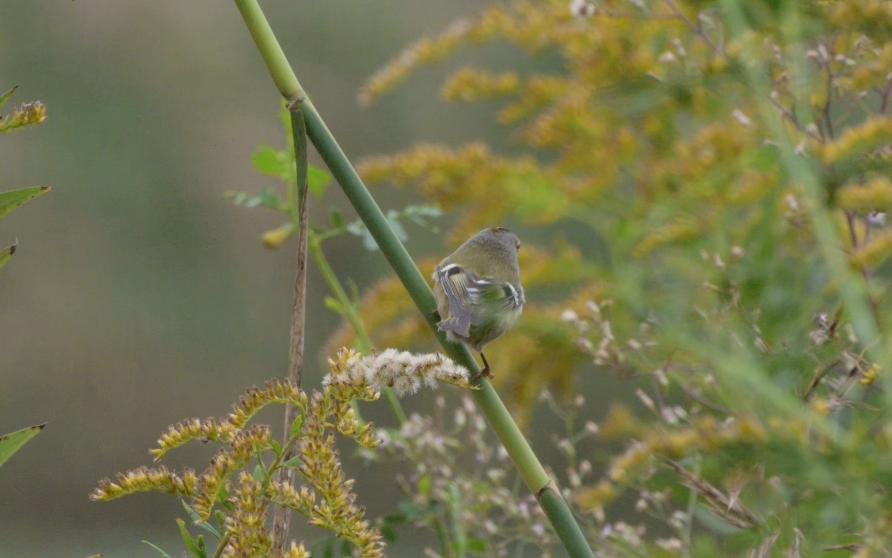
[[471, 84], [23, 115], [335, 507], [876, 194], [871, 16], [426, 50], [145, 479], [677, 231], [704, 434], [326, 499], [247, 521], [297, 551], [874, 252], [858, 141], [193, 429], [873, 68], [255, 399]]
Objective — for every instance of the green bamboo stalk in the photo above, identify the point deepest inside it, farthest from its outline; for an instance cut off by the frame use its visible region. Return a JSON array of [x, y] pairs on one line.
[[500, 420]]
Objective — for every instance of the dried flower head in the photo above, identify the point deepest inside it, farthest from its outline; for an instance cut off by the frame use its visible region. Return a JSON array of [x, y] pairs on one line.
[[403, 371]]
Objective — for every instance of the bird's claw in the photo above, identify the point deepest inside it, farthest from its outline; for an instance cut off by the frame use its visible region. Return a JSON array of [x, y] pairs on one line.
[[485, 372]]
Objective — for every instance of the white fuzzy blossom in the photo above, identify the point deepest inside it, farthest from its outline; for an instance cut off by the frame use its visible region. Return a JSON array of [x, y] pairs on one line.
[[403, 371]]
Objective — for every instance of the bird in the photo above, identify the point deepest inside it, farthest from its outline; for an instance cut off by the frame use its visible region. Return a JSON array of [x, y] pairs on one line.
[[477, 289]]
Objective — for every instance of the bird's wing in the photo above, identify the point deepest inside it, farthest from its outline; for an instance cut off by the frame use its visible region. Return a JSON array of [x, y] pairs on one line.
[[471, 298]]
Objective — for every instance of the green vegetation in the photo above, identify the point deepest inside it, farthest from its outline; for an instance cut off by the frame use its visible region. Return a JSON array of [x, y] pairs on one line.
[[705, 187], [21, 116]]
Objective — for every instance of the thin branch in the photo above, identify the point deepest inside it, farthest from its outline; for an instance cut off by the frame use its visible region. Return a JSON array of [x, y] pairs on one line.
[[791, 117], [698, 29], [820, 373], [282, 515], [884, 95]]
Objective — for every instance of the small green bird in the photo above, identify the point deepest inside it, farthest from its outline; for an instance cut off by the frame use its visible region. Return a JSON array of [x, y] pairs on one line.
[[478, 290]]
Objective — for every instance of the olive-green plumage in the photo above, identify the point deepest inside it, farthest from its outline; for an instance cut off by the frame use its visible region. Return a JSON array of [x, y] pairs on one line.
[[478, 290]]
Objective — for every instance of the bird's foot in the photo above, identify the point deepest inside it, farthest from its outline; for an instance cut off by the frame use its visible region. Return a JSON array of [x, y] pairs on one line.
[[485, 372]]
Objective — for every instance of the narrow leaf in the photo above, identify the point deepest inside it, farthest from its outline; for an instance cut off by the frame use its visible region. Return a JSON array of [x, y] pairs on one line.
[[190, 543], [13, 442], [6, 253], [158, 549], [297, 424], [14, 198], [196, 519], [5, 97], [293, 462]]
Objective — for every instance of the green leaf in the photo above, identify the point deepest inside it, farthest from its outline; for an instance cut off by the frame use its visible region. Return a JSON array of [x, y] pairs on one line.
[[158, 549], [317, 180], [266, 197], [193, 515], [194, 548], [476, 545], [14, 198], [196, 519], [355, 295], [274, 162], [336, 218], [389, 534], [421, 214], [13, 442], [424, 485], [293, 462], [297, 424], [333, 305], [6, 253], [418, 214], [276, 446], [5, 97]]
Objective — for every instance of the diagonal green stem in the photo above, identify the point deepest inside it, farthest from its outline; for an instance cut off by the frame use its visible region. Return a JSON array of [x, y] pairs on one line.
[[500, 420]]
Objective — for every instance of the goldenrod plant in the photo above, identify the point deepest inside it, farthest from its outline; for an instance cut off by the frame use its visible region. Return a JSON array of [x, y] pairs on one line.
[[719, 174], [22, 115], [231, 499]]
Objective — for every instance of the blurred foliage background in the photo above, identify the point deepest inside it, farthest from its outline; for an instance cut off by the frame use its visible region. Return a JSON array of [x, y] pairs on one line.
[[700, 193]]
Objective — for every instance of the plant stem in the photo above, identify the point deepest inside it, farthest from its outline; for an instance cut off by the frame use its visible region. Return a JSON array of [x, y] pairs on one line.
[[363, 341], [223, 542], [532, 471], [281, 514]]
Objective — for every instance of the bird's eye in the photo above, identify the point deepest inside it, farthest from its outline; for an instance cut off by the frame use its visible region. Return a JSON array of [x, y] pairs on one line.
[[518, 245]]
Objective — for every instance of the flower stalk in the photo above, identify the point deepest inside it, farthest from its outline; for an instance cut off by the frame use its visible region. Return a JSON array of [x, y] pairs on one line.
[[282, 515], [500, 420]]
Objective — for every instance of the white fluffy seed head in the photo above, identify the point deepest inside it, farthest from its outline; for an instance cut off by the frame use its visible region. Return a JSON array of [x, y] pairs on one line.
[[403, 371]]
